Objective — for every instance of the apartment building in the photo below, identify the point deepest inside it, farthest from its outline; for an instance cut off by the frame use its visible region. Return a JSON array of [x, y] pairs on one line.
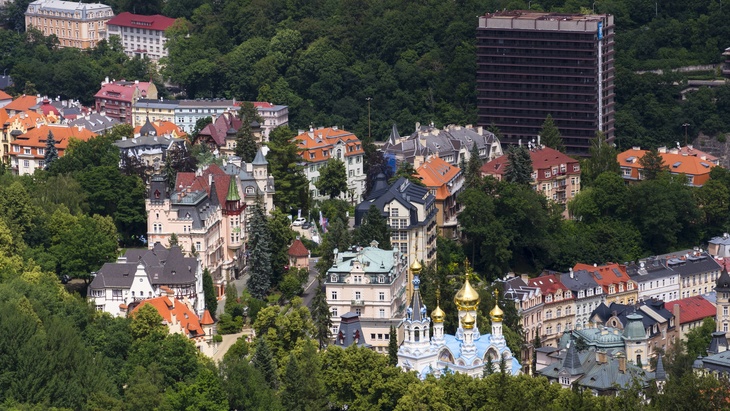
[[27, 152], [155, 110], [371, 283], [531, 64], [273, 115], [618, 287], [79, 25], [690, 312], [141, 36], [695, 167], [655, 280], [411, 213], [558, 309], [116, 98], [698, 271], [445, 181], [318, 146], [529, 303], [588, 294], [188, 112]]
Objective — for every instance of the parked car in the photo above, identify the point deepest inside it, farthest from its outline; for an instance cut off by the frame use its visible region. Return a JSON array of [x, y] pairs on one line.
[[307, 225], [299, 221]]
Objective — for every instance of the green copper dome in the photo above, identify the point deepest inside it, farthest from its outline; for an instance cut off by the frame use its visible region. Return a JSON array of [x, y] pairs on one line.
[[634, 329]]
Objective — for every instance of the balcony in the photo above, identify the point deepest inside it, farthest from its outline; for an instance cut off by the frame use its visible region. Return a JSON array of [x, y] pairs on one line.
[[357, 303]]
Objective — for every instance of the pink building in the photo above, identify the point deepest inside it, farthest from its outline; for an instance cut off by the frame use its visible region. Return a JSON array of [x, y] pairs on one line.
[[116, 98]]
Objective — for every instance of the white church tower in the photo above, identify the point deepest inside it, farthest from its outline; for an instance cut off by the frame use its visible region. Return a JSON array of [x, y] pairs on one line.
[[416, 353]]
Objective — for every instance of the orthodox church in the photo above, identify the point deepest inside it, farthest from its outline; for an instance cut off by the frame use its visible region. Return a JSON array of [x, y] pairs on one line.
[[467, 351]]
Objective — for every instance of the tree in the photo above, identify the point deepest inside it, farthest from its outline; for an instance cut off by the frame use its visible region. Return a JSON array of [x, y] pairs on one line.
[[292, 186], [173, 242], [147, 324], [374, 226], [200, 124], [249, 112], [405, 169], [84, 245], [259, 244], [332, 178], [536, 343], [473, 171], [281, 236], [653, 164], [488, 366], [263, 361], [205, 394], [519, 165], [393, 347], [550, 135], [51, 154], [602, 159], [211, 300], [321, 315], [246, 146], [698, 338]]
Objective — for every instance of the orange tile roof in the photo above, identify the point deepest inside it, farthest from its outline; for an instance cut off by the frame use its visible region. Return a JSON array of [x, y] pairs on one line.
[[315, 145], [436, 174], [22, 103], [4, 118], [183, 314], [606, 274], [36, 137], [164, 128], [5, 96], [27, 119], [677, 163], [207, 318]]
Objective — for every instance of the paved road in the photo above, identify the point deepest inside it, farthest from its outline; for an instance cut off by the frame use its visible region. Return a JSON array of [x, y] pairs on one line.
[[311, 285], [228, 341]]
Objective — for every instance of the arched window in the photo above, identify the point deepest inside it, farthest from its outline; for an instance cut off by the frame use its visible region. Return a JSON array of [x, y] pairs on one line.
[[417, 335]]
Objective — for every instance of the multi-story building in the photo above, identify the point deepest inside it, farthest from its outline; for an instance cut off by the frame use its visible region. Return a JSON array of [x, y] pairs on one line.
[[698, 271], [150, 144], [140, 274], [204, 212], [655, 280], [116, 98], [220, 135], [722, 288], [141, 36], [587, 292], [618, 287], [155, 110], [690, 312], [445, 181], [273, 115], [17, 125], [371, 283], [531, 64], [452, 144], [79, 25], [411, 213], [529, 304], [318, 146], [554, 174], [94, 122], [696, 168], [558, 310], [188, 112], [27, 152]]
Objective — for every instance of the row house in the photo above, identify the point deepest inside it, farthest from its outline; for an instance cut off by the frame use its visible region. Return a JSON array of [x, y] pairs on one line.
[[558, 309], [587, 293], [318, 146], [371, 283], [695, 167], [453, 144], [410, 210], [658, 320], [204, 212], [273, 116], [179, 318], [27, 151], [529, 304], [76, 24], [554, 174], [618, 287], [140, 36], [698, 271], [445, 183], [95, 122], [188, 112], [116, 98], [655, 280], [155, 110], [690, 312], [143, 274]]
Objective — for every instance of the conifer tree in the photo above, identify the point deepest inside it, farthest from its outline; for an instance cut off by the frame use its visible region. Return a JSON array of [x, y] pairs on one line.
[[653, 164], [263, 360], [519, 165], [291, 383], [374, 227], [246, 146], [536, 343], [321, 315], [550, 135], [174, 242], [393, 347], [502, 365], [488, 366], [211, 300], [473, 170], [51, 153], [259, 245]]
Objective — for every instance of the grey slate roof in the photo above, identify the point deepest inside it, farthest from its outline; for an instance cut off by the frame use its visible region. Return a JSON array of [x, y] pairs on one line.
[[622, 311], [94, 122], [572, 361], [417, 309], [404, 192], [660, 374], [260, 160], [582, 280], [428, 139], [723, 282], [350, 331]]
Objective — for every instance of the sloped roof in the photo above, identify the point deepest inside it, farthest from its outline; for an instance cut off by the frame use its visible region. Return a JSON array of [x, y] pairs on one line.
[[162, 128], [122, 90], [200, 183], [218, 129], [183, 314], [297, 249], [154, 22], [314, 145], [207, 318], [691, 309], [676, 163], [543, 158], [22, 103], [436, 174], [547, 283], [404, 192], [606, 274], [5, 96], [36, 137], [27, 119]]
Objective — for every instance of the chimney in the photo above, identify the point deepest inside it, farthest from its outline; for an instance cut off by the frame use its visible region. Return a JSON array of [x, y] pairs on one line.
[[525, 278], [572, 275], [621, 357], [538, 141], [601, 356], [210, 179]]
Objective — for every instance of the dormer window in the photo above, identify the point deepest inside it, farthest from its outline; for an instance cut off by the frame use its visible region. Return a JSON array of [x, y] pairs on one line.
[[333, 278], [157, 193]]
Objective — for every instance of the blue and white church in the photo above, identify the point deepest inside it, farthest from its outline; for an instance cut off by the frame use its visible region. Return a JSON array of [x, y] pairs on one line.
[[466, 352]]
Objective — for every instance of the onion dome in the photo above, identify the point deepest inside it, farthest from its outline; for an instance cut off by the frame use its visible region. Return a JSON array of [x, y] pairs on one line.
[[467, 298], [496, 314], [438, 315], [467, 321], [416, 267]]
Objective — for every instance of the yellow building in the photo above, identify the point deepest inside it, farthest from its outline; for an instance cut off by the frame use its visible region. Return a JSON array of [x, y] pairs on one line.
[[154, 109], [79, 25]]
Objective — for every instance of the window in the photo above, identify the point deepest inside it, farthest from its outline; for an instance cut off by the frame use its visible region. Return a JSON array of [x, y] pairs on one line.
[[549, 298], [334, 311], [197, 246], [41, 151], [381, 297], [358, 311], [26, 163], [358, 296], [334, 295], [381, 313], [564, 380], [724, 311]]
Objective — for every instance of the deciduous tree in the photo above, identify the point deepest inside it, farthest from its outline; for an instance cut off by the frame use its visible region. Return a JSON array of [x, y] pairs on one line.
[[332, 178]]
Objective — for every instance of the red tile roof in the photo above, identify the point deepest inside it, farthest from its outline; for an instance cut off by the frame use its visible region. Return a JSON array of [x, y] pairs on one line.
[[199, 183], [436, 174], [605, 274], [122, 90], [692, 309], [298, 249], [262, 104], [183, 314], [543, 160], [548, 283], [154, 22], [22, 103], [207, 318], [315, 145], [218, 129]]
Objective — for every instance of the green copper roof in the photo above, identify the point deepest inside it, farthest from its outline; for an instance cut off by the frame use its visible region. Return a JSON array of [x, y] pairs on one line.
[[634, 330], [233, 191]]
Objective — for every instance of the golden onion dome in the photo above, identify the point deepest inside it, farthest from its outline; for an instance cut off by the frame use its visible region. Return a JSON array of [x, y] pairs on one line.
[[416, 267], [438, 315], [467, 321], [496, 314], [467, 298]]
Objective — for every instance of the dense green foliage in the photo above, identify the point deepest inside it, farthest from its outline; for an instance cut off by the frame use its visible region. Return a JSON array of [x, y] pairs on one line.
[[260, 259], [373, 227], [332, 178]]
